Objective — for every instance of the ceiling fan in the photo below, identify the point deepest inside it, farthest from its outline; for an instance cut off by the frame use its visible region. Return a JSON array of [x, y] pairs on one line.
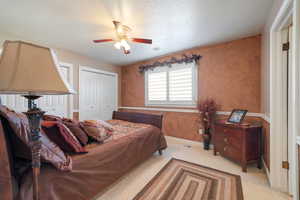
[[121, 42]]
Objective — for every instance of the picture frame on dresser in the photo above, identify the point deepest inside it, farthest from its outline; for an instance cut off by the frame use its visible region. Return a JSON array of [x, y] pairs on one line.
[[237, 116]]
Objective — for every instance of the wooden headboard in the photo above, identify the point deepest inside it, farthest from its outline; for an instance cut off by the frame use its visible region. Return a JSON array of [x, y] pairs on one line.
[[155, 120]]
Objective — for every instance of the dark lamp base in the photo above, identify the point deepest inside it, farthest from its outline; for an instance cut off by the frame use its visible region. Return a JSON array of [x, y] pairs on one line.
[[34, 116]]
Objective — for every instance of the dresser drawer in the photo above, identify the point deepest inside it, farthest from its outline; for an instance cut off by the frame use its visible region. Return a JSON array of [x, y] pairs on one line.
[[233, 133], [231, 152], [226, 136], [232, 140]]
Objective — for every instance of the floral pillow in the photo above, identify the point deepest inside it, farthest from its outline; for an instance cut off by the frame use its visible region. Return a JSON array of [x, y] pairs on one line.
[[96, 131], [100, 123]]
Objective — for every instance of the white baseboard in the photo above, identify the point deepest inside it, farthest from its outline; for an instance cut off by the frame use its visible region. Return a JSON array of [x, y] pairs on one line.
[[266, 118], [266, 170]]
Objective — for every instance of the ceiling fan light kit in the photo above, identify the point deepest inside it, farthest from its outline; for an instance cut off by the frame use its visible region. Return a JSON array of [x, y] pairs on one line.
[[121, 42], [123, 45]]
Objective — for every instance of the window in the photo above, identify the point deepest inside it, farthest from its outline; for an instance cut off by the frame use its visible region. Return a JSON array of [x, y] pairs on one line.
[[172, 86]]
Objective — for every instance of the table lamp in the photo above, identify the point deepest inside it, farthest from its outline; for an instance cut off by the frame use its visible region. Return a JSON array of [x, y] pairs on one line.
[[32, 71]]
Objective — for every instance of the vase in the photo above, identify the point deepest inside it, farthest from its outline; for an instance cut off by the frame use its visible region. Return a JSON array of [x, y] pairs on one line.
[[206, 140]]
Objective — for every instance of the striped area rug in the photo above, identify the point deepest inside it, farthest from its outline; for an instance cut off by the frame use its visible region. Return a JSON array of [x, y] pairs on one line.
[[181, 180]]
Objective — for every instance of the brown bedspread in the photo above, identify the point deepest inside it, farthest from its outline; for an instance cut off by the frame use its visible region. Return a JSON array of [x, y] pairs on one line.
[[130, 144]]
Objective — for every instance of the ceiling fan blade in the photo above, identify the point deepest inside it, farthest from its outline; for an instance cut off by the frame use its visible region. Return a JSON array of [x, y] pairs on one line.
[[141, 40], [104, 40]]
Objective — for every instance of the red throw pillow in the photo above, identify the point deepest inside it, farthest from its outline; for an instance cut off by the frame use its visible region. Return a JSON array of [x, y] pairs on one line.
[[68, 120], [50, 152], [77, 129], [62, 136], [51, 118]]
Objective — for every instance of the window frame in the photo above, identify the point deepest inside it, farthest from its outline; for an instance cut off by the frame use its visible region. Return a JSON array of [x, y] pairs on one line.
[[168, 103]]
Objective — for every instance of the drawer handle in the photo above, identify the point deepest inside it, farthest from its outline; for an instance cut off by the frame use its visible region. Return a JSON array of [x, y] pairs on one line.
[[225, 130], [225, 148], [225, 140]]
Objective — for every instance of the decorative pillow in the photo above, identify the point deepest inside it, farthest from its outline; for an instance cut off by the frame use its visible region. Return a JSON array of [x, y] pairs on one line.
[[77, 129], [62, 136], [100, 123], [51, 118], [68, 120], [97, 132], [50, 152]]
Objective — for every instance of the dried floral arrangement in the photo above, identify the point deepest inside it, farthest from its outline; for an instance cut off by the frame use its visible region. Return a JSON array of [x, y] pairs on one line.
[[207, 109], [185, 59]]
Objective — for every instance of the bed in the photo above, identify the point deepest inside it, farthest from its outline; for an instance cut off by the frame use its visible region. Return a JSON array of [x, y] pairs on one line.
[[92, 172]]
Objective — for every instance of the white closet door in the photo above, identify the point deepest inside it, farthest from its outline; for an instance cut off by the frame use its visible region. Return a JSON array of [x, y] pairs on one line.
[[97, 95], [90, 92], [109, 97], [54, 105]]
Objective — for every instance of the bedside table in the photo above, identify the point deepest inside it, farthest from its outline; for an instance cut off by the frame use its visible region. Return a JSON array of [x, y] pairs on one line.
[[239, 143]]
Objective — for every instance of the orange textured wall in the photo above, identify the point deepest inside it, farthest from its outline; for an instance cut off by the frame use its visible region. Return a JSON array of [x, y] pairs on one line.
[[228, 72], [177, 124]]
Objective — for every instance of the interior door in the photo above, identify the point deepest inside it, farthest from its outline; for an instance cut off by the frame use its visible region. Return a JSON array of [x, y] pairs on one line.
[[97, 95], [286, 100], [290, 112], [109, 103], [90, 95]]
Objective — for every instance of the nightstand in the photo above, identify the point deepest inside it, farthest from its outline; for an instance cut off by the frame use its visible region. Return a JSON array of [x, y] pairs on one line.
[[239, 143]]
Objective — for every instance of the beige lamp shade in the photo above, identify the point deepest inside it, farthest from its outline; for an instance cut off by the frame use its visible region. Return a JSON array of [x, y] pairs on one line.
[[30, 69]]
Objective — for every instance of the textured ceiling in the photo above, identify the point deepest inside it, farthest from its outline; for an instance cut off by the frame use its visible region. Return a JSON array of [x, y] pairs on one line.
[[172, 24]]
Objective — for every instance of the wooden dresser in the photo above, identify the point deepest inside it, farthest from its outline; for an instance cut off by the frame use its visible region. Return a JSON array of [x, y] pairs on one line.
[[239, 143]]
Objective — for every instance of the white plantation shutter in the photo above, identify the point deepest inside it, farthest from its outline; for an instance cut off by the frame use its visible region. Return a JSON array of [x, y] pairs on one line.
[[176, 85], [181, 84], [157, 86]]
